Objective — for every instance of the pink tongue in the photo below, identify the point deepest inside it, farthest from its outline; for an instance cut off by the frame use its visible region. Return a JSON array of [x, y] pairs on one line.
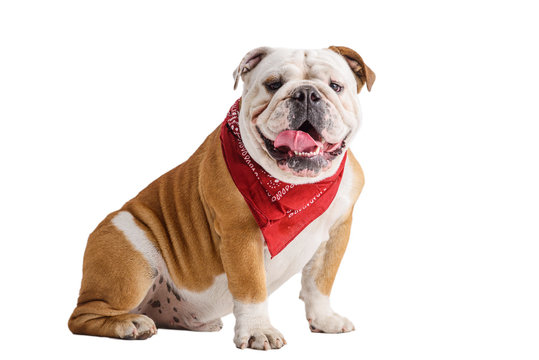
[[295, 140]]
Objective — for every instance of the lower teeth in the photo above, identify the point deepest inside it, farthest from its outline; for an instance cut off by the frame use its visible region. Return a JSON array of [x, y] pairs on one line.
[[312, 153]]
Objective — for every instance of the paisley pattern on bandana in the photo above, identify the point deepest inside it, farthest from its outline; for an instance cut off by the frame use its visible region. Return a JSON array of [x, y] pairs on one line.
[[281, 210]]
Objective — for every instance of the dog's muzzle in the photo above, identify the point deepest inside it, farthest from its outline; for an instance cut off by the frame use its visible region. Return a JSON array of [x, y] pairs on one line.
[[302, 148]]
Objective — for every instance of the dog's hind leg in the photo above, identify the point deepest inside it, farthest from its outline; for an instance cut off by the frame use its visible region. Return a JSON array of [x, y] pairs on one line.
[[116, 278]]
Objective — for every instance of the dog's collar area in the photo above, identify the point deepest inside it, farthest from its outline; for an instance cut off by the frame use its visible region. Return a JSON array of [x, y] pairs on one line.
[[281, 210]]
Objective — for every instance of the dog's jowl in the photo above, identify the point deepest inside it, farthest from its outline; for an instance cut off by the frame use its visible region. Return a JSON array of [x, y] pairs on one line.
[[268, 194]]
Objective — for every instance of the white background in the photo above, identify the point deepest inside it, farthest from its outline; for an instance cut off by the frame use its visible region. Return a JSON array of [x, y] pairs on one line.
[[99, 98]]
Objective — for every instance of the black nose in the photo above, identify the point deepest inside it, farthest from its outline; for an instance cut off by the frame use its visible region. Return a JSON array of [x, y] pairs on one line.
[[307, 95]]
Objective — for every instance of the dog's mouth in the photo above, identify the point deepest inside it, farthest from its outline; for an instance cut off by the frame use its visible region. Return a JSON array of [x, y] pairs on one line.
[[304, 151]]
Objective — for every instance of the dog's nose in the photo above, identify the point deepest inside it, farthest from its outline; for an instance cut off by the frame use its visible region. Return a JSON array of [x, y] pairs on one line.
[[306, 95]]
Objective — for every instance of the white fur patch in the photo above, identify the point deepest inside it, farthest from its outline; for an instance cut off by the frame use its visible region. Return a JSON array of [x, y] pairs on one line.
[[315, 301], [252, 314], [212, 303], [293, 258], [125, 222]]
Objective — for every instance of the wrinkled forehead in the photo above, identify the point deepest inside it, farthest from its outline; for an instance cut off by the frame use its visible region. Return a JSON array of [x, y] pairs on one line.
[[298, 64]]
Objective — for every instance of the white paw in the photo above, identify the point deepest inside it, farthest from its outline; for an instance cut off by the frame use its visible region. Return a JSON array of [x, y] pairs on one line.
[[330, 323], [253, 328], [318, 310], [263, 338]]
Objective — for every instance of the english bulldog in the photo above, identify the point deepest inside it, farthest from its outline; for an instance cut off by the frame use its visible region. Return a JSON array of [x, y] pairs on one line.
[[269, 193]]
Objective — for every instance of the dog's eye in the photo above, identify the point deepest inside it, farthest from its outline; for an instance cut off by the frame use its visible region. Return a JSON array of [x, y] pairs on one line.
[[336, 87], [274, 85]]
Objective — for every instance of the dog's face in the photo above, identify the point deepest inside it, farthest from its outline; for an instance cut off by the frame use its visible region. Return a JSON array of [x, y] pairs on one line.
[[300, 110]]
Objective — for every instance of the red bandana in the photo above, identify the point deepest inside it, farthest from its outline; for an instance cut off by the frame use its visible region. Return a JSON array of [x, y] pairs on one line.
[[281, 210]]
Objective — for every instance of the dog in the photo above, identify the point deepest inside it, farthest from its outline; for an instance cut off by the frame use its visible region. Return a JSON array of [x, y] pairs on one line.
[[268, 194]]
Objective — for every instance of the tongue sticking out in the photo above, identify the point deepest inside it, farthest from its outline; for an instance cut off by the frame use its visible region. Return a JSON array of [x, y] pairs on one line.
[[297, 141]]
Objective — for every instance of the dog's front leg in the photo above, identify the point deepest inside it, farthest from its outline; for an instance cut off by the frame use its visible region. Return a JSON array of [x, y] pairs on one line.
[[243, 261], [317, 280]]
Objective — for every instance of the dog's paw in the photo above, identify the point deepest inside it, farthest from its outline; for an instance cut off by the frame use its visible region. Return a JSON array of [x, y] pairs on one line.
[[330, 323], [134, 327], [263, 338]]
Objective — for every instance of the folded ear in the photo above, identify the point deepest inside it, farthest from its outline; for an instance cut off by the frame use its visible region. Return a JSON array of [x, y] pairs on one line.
[[364, 75], [249, 61]]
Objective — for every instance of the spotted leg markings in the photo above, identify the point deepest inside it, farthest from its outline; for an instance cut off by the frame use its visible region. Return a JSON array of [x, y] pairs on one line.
[[168, 309]]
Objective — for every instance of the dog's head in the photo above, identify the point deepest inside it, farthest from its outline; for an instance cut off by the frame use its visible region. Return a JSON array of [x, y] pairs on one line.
[[299, 109]]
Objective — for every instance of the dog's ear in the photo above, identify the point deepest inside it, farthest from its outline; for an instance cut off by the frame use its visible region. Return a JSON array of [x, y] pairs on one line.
[[364, 75], [249, 61]]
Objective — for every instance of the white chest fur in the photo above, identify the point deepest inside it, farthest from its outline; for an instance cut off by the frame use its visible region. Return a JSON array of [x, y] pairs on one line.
[[293, 258]]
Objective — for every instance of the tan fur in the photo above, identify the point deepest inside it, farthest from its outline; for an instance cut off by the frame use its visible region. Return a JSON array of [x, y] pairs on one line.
[[175, 214], [241, 242], [110, 260], [201, 239]]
